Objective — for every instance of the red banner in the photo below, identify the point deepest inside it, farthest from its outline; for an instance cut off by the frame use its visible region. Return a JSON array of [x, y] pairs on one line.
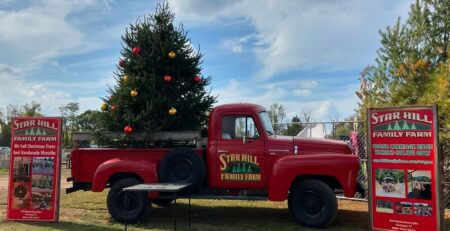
[[34, 178], [404, 183]]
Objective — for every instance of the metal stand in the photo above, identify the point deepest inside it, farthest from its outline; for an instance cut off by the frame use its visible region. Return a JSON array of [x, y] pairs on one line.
[[174, 210], [189, 210], [126, 218], [161, 187]]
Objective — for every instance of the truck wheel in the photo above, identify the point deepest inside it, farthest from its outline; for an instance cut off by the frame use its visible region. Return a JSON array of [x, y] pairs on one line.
[[312, 203], [126, 207], [162, 202], [183, 165]]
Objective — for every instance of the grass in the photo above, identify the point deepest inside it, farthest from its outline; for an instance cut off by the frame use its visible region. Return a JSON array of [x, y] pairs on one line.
[[4, 172], [87, 211]]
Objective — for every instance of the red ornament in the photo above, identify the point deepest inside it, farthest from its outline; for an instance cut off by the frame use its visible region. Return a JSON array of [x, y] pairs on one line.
[[128, 129], [167, 78], [113, 108], [197, 79], [122, 63], [136, 50]]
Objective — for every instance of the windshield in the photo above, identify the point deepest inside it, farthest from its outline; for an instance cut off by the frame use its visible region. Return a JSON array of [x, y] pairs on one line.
[[266, 122]]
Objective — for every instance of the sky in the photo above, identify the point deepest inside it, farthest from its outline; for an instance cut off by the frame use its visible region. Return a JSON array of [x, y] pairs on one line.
[[304, 54]]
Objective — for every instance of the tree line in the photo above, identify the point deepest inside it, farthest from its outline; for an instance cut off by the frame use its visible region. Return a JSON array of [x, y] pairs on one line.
[[88, 121]]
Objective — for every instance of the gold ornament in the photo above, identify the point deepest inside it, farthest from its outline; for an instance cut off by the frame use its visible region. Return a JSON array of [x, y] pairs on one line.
[[125, 78], [104, 107], [172, 54], [134, 93], [172, 111]]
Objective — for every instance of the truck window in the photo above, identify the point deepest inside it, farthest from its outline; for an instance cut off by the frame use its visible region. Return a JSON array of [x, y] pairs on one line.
[[266, 122], [236, 126]]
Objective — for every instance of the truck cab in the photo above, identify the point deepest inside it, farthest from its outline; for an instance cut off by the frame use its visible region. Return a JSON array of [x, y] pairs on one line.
[[245, 152]]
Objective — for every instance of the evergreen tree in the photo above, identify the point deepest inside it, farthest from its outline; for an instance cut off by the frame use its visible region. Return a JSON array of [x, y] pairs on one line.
[[159, 87]]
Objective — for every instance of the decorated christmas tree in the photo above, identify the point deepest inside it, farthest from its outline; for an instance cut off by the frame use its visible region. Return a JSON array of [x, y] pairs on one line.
[[159, 82]]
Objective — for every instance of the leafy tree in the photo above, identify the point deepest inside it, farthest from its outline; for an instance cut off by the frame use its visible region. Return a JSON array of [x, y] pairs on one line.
[[31, 109], [90, 121], [410, 55], [159, 87], [11, 111], [412, 66], [69, 115], [277, 114]]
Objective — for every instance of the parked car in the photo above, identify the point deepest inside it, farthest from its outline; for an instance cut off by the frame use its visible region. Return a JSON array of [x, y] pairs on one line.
[[5, 150]]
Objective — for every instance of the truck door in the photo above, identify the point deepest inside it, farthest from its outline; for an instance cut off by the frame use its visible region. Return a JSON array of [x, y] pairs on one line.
[[240, 153]]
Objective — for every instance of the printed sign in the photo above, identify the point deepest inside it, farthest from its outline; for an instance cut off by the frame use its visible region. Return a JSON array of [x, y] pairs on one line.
[[239, 167], [404, 176], [34, 177]]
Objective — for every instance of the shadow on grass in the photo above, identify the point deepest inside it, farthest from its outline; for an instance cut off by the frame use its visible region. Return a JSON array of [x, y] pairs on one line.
[[214, 217], [10, 225], [241, 218]]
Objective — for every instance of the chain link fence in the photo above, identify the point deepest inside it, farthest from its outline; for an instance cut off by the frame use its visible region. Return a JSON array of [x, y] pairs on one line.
[[355, 133], [4, 159]]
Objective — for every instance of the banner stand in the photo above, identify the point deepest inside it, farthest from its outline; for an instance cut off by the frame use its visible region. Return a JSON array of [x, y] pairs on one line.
[[35, 169], [404, 169]]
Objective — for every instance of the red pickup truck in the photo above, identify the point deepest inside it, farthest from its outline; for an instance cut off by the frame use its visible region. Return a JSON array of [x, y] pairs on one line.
[[243, 159]]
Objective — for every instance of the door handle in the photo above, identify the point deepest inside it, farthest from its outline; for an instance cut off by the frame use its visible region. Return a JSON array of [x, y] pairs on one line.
[[222, 151]]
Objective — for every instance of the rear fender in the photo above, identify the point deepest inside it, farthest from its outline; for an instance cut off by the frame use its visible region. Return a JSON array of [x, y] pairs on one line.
[[286, 170], [146, 170]]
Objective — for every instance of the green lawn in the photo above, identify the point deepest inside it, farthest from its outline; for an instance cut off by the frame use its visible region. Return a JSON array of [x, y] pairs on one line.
[[87, 211], [3, 172]]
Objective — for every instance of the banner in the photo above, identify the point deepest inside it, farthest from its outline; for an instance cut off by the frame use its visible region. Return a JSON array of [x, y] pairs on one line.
[[34, 178], [404, 169]]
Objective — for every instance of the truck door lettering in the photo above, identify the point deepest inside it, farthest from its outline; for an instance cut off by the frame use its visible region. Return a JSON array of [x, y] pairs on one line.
[[239, 167]]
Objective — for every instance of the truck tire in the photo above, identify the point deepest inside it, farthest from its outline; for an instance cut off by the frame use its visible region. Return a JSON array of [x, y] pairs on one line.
[[129, 210], [183, 165], [312, 203]]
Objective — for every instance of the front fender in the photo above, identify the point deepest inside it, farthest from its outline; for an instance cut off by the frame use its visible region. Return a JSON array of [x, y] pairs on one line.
[[343, 168], [144, 169]]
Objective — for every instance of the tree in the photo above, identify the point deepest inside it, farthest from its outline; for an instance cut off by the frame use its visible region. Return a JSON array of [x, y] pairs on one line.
[[31, 109], [306, 115], [277, 114], [68, 113], [90, 121], [11, 111], [294, 127], [159, 87], [412, 64]]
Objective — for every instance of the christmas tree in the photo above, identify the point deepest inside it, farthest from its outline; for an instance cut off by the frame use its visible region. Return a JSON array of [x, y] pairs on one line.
[[159, 83]]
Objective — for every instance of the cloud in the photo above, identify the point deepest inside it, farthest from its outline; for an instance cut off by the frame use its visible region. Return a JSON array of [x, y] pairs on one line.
[[203, 11], [302, 92], [236, 45], [332, 104], [298, 35], [40, 31], [36, 34], [16, 90]]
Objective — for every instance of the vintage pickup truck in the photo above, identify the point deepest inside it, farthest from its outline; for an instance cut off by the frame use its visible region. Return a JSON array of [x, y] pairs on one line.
[[242, 159]]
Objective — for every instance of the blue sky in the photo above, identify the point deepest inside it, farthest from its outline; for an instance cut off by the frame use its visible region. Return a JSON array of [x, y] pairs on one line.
[[306, 55]]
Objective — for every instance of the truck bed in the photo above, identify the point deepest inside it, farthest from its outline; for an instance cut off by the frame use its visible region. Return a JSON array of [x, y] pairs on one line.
[[85, 161]]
